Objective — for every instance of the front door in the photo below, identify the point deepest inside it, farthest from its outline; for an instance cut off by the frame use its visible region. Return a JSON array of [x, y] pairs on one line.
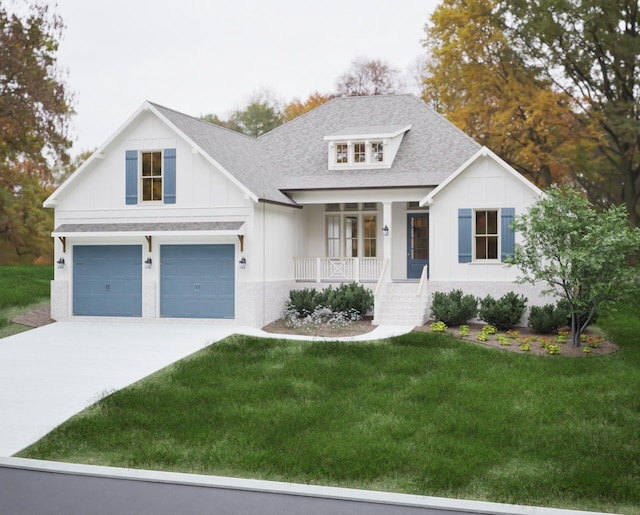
[[417, 244]]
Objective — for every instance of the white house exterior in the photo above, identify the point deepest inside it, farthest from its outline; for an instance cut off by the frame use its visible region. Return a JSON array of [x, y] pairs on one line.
[[175, 218]]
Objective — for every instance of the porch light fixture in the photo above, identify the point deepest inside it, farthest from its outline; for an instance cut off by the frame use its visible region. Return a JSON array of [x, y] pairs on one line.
[[385, 230], [61, 262], [242, 263], [148, 262]]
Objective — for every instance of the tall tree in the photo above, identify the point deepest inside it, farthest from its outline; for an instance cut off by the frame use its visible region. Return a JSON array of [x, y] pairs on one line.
[[476, 79], [368, 77], [35, 107], [591, 50]]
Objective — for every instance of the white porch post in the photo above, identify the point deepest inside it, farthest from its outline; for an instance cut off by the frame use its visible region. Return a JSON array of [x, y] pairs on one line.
[[386, 222]]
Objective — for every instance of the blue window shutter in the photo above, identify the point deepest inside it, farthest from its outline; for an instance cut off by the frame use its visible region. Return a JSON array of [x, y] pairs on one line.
[[169, 176], [131, 181], [464, 236], [507, 236]]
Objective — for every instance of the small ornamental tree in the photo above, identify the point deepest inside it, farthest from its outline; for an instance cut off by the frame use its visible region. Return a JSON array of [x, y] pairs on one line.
[[582, 254]]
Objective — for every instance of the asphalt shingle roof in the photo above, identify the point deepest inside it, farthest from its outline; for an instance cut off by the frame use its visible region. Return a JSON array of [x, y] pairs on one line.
[[294, 156]]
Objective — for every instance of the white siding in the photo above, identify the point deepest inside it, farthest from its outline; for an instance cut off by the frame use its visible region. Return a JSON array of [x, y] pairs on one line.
[[484, 184]]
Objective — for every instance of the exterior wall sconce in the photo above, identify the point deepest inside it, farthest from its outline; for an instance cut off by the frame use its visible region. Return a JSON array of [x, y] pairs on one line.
[[242, 263], [385, 231], [60, 262], [148, 262]]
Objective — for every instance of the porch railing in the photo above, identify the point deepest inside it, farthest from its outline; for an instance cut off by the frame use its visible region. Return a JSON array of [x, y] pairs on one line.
[[325, 269]]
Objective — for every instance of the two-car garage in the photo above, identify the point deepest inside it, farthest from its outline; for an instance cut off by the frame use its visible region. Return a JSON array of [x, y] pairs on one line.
[[196, 281]]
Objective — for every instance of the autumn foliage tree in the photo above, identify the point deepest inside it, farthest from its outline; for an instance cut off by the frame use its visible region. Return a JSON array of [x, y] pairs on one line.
[[297, 107], [478, 80], [591, 51], [35, 107]]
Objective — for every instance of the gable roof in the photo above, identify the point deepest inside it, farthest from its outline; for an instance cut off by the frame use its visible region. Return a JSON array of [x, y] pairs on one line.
[[240, 156], [483, 152], [430, 151], [294, 156]]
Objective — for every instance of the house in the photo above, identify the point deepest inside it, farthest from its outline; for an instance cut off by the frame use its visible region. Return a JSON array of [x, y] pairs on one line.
[[177, 218]]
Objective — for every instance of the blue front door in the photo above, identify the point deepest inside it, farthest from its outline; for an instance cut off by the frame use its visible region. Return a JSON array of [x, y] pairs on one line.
[[107, 280], [197, 281], [417, 244]]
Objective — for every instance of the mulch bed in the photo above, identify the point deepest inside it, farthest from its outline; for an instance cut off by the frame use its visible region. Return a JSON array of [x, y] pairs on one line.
[[536, 341], [324, 329]]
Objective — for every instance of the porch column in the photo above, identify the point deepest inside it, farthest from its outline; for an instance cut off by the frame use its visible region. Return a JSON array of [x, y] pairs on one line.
[[386, 222]]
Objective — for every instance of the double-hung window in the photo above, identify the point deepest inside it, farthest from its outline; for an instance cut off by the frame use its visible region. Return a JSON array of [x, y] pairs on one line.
[[151, 176], [485, 235]]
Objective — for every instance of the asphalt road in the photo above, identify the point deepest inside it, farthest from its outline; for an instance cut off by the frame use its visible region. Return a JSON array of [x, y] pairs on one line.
[[47, 488]]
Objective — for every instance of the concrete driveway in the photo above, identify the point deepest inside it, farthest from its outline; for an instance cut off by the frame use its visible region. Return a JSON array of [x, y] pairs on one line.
[[50, 373]]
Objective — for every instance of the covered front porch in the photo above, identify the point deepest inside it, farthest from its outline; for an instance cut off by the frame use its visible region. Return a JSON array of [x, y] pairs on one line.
[[382, 244]]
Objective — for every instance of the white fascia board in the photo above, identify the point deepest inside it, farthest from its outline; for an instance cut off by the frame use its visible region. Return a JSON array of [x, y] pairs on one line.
[[52, 200], [204, 154], [483, 152], [366, 136]]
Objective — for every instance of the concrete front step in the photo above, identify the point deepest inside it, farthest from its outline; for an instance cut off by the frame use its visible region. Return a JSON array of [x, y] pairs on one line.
[[398, 304]]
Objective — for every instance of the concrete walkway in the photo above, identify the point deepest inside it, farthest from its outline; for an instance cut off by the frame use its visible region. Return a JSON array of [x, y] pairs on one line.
[[51, 373]]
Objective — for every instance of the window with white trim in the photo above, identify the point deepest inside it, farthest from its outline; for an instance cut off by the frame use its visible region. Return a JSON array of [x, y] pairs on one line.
[[151, 175], [356, 153], [486, 235], [354, 232]]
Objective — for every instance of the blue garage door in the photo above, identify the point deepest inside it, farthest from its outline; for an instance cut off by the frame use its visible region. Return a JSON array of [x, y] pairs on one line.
[[107, 280], [197, 281]]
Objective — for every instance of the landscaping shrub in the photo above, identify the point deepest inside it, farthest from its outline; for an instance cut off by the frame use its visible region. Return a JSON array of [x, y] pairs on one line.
[[453, 308], [305, 301], [504, 312], [348, 297], [548, 319]]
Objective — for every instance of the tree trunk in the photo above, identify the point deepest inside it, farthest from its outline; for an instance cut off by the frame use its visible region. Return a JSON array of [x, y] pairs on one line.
[[576, 330]]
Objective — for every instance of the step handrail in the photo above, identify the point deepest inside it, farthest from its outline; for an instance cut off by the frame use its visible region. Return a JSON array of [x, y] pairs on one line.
[[380, 282]]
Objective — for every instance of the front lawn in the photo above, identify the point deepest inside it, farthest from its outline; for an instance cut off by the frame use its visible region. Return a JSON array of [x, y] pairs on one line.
[[421, 414], [22, 288]]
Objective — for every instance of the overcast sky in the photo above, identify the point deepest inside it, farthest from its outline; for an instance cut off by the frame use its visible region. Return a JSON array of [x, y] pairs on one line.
[[210, 56]]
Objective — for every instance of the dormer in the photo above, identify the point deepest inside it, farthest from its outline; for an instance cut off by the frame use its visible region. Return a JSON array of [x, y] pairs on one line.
[[362, 148]]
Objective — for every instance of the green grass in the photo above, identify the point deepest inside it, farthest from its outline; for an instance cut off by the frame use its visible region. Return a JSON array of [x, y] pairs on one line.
[[421, 414], [22, 288]]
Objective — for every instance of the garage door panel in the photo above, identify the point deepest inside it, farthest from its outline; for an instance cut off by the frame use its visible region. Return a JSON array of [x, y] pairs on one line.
[[197, 281], [107, 280]]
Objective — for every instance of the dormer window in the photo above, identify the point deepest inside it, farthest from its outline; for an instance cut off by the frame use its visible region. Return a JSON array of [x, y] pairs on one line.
[[365, 147], [377, 152], [342, 153]]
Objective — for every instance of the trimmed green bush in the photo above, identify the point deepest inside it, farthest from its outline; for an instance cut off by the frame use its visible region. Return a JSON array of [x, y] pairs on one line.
[[503, 313], [305, 301], [548, 319], [453, 308], [352, 296], [343, 299]]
